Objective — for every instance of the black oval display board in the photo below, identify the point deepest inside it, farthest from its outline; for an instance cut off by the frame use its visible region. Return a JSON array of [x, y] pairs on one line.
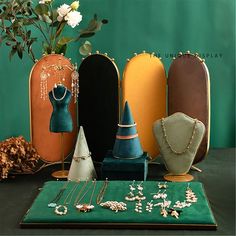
[[98, 103]]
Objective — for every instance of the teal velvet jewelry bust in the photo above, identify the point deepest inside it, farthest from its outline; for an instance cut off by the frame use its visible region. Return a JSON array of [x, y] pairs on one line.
[[61, 120]]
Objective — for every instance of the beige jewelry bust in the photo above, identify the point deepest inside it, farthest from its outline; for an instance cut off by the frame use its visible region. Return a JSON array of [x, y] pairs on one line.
[[179, 137], [82, 167]]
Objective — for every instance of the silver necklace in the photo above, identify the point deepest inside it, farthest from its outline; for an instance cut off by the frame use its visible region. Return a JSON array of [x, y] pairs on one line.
[[59, 99]]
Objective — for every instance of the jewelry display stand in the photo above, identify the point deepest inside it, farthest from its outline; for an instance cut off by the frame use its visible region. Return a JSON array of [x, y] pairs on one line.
[[127, 160], [144, 87], [178, 178], [179, 137], [120, 204], [82, 167], [47, 143], [98, 102], [189, 92], [61, 174]]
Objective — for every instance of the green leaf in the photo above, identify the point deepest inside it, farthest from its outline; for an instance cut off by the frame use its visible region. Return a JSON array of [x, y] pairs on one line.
[[28, 34], [86, 48], [61, 49], [86, 34], [55, 24], [54, 16], [12, 52], [46, 48], [19, 50], [45, 18], [29, 21], [60, 28], [42, 9], [65, 40]]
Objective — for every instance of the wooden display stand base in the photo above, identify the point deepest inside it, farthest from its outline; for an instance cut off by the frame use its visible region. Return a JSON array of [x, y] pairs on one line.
[[60, 174], [178, 178]]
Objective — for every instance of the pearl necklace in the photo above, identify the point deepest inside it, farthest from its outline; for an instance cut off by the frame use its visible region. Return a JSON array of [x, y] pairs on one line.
[[168, 143], [59, 99]]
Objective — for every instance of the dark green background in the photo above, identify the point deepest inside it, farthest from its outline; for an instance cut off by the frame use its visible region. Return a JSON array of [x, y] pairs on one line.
[[161, 26]]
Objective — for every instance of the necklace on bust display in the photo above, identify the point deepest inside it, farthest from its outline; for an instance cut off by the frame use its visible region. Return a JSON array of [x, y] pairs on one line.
[[86, 207], [62, 209], [167, 140], [59, 99]]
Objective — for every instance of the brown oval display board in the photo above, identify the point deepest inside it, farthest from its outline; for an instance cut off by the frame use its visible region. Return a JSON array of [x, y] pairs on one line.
[[144, 87], [189, 92], [48, 144], [99, 103]]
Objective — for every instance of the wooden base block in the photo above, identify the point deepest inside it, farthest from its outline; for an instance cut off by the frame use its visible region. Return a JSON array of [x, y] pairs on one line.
[[60, 174], [178, 178]]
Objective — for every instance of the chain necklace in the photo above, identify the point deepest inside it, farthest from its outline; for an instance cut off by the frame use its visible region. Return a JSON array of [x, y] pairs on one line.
[[59, 99], [62, 209], [86, 207], [53, 203], [168, 143], [102, 192]]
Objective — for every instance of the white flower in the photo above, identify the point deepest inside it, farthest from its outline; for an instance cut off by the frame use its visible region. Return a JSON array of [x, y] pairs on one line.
[[63, 10], [73, 18], [44, 1]]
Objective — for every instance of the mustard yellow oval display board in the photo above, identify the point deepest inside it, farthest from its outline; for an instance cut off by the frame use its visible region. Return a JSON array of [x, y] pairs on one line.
[[48, 144], [144, 87]]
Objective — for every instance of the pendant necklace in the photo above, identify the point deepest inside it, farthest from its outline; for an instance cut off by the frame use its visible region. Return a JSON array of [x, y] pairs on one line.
[[62, 209], [86, 207], [59, 99]]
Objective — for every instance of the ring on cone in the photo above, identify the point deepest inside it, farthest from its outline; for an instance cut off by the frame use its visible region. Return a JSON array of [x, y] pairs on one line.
[[127, 144], [82, 165]]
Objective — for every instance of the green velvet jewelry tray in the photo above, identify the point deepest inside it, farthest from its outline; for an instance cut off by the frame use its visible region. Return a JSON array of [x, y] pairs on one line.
[[197, 216]]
